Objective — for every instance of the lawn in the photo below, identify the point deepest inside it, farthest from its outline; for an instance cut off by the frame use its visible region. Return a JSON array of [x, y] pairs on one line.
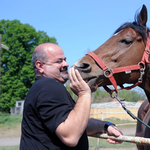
[[10, 126]]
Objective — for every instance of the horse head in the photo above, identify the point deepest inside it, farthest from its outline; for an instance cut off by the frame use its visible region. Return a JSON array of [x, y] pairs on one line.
[[124, 48]]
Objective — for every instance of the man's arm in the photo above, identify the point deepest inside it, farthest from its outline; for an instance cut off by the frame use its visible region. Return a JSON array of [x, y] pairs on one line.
[[73, 127], [97, 126]]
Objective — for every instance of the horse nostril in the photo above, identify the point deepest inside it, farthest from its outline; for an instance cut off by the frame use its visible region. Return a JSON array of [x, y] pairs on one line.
[[84, 67]]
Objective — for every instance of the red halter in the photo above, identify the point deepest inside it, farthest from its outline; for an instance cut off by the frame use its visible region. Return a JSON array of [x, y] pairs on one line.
[[126, 69]]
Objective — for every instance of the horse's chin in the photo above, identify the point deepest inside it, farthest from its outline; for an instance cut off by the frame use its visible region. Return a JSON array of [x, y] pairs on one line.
[[92, 84], [93, 88]]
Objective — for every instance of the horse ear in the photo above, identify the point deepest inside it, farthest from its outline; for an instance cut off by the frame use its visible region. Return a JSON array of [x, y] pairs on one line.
[[143, 15]]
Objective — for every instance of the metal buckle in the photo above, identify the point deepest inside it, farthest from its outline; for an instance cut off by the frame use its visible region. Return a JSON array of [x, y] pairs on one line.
[[114, 95], [141, 71], [147, 50], [141, 74], [108, 71]]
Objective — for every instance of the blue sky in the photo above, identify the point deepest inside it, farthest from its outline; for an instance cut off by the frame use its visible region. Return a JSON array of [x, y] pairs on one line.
[[78, 25]]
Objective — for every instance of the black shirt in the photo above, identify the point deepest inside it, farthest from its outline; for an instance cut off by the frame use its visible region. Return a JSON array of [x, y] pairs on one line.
[[47, 104]]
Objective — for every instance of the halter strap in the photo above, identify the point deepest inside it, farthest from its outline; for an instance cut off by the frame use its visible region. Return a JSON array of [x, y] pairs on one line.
[[108, 72]]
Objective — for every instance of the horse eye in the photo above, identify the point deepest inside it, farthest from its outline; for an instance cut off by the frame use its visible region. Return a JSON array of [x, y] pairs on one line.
[[125, 41]]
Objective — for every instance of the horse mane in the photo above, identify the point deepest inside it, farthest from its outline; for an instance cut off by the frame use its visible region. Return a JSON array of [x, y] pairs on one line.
[[137, 26]]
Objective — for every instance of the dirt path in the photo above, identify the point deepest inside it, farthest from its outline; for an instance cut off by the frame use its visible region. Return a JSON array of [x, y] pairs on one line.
[[9, 141]]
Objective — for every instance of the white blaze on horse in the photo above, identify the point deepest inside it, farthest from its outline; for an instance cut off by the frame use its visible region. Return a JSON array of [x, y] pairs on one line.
[[123, 58]]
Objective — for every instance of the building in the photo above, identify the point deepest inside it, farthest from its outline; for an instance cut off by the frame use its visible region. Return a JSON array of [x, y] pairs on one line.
[[18, 110]]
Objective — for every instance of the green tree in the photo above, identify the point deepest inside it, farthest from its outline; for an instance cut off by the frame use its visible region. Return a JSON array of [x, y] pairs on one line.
[[131, 95], [17, 73], [101, 96]]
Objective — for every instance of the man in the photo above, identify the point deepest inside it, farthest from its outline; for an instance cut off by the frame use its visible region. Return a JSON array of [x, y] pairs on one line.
[[51, 119]]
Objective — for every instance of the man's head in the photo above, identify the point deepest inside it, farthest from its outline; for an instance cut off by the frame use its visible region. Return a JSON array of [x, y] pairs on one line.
[[48, 60]]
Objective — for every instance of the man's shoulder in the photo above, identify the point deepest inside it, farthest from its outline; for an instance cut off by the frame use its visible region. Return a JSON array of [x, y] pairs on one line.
[[45, 82]]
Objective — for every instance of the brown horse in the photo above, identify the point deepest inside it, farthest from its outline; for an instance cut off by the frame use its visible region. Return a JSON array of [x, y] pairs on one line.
[[122, 59]]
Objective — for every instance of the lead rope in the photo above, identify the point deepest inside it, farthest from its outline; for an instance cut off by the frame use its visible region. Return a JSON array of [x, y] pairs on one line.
[[129, 112]]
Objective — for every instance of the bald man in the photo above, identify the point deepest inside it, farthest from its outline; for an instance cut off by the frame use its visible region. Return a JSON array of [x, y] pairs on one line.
[[51, 118]]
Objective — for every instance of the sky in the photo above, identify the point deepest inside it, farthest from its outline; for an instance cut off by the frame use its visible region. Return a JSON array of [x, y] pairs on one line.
[[78, 25]]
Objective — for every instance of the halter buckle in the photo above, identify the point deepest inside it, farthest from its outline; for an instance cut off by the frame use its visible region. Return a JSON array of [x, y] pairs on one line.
[[141, 71], [108, 73], [141, 74], [113, 96], [147, 50]]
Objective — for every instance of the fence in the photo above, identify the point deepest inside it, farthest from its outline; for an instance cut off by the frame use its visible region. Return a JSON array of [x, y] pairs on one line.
[[113, 110], [103, 113]]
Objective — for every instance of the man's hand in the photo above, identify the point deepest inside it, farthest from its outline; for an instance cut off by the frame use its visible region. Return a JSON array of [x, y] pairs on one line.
[[77, 84], [112, 130]]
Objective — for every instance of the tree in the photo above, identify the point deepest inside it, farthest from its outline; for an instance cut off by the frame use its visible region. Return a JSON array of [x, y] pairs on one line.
[[17, 73], [131, 95]]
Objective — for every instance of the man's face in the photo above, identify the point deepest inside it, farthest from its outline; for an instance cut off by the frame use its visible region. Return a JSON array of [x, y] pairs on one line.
[[56, 66]]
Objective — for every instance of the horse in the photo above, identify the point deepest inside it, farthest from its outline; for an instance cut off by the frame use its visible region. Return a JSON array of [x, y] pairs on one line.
[[123, 59]]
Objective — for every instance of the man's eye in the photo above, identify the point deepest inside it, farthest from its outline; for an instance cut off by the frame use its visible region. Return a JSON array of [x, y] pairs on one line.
[[59, 61]]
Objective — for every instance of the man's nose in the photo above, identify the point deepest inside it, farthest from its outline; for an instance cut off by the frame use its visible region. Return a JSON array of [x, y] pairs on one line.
[[65, 63]]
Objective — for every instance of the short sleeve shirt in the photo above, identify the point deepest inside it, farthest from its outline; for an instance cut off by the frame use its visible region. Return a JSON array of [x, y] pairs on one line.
[[47, 104]]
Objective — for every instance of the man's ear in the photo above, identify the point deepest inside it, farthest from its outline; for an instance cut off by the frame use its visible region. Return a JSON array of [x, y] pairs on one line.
[[39, 66]]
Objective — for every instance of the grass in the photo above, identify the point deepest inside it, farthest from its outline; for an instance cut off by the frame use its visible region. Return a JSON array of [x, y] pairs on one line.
[[102, 143], [10, 127], [10, 120], [5, 118], [93, 143], [9, 148]]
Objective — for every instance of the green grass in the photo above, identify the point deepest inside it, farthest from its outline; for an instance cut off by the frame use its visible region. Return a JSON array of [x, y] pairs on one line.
[[93, 143], [10, 122], [9, 148], [5, 119]]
